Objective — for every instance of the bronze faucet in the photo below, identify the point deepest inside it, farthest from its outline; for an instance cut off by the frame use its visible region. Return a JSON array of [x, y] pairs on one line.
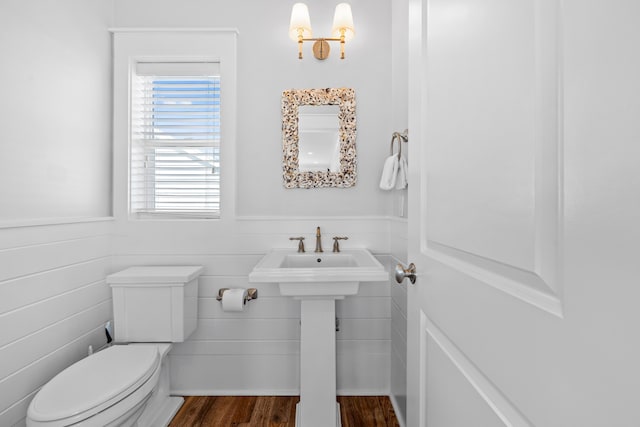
[[336, 245], [318, 241], [300, 243]]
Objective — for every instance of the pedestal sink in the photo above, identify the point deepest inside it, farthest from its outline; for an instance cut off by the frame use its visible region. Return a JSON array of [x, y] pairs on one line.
[[318, 279]]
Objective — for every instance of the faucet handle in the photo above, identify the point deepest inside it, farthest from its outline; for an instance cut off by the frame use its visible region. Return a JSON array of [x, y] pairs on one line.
[[336, 245], [300, 243]]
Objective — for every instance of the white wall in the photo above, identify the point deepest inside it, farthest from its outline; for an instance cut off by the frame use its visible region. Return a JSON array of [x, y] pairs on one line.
[[256, 352], [400, 90], [53, 299], [55, 127], [55, 165], [267, 65]]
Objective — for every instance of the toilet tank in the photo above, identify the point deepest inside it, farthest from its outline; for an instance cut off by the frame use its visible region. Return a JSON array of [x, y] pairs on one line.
[[155, 303]]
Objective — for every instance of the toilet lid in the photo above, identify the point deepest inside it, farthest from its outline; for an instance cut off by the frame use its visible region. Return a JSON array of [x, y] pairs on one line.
[[106, 376]]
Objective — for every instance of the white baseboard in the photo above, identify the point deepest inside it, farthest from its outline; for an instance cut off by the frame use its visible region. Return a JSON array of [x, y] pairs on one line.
[[361, 392], [273, 392], [234, 392], [396, 409]]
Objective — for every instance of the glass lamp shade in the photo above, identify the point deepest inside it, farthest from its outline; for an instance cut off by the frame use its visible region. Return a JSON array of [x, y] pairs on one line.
[[343, 19], [300, 20]]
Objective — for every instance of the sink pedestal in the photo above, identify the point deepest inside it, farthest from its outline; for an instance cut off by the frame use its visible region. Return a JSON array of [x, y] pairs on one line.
[[318, 406], [318, 280]]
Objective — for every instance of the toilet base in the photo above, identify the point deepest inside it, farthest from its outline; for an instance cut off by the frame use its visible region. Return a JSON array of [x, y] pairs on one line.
[[161, 407], [160, 415]]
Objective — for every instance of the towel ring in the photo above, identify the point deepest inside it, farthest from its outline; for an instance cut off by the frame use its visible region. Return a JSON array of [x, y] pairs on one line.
[[400, 137]]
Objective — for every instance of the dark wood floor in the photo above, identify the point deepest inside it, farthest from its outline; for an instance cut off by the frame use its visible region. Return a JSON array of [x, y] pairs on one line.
[[277, 411]]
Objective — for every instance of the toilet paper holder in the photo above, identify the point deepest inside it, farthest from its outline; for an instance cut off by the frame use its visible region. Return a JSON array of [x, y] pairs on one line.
[[252, 293]]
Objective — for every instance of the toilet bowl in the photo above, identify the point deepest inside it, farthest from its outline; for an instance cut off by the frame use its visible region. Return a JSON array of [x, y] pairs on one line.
[[107, 388], [127, 384]]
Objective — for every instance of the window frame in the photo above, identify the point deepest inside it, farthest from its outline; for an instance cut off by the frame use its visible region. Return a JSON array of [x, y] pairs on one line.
[[180, 45]]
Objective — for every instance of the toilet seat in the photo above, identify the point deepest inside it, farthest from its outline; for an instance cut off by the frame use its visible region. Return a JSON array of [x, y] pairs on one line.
[[95, 383]]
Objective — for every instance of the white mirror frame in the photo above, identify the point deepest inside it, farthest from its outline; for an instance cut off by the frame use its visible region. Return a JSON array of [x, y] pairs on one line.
[[291, 100]]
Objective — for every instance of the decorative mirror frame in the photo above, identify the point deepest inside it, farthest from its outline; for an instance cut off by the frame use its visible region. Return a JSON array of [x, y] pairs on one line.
[[345, 98]]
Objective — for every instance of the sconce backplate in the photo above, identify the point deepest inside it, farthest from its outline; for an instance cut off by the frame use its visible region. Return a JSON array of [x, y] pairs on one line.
[[321, 49]]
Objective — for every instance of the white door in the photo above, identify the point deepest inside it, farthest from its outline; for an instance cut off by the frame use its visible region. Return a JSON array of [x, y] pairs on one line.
[[524, 215]]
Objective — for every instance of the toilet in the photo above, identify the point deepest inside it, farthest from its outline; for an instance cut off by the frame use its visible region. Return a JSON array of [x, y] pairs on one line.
[[127, 384]]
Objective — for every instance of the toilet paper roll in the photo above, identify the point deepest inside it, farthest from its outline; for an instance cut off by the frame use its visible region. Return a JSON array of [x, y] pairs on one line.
[[233, 299]]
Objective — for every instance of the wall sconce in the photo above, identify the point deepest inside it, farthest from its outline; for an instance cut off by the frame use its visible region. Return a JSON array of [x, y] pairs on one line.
[[300, 30]]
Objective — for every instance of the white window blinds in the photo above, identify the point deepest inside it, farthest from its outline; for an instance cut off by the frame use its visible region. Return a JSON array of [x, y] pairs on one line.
[[175, 143]]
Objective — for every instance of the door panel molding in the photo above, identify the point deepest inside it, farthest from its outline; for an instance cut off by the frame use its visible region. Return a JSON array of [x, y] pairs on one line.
[[535, 277], [506, 411], [524, 285]]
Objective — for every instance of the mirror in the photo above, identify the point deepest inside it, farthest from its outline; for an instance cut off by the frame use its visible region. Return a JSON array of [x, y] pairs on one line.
[[318, 138]]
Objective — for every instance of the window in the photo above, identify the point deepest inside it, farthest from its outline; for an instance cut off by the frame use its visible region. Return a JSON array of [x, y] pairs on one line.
[[175, 139], [174, 125]]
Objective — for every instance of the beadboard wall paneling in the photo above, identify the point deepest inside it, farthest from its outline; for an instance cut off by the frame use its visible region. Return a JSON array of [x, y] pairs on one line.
[[209, 286], [399, 239], [398, 372], [237, 374], [27, 320], [18, 389], [257, 351], [267, 335], [266, 307], [398, 307], [53, 305], [53, 230], [399, 319], [357, 361], [214, 264], [26, 260], [44, 341], [272, 369], [25, 290], [243, 238]]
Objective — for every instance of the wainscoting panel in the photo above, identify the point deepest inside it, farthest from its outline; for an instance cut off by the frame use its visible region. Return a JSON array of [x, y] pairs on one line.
[[257, 351], [20, 323], [25, 290], [236, 374], [26, 260], [54, 303], [247, 235], [363, 367], [398, 332], [34, 346], [231, 368]]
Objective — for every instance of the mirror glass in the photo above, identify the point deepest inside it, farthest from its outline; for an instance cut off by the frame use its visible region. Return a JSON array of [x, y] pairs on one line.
[[319, 138]]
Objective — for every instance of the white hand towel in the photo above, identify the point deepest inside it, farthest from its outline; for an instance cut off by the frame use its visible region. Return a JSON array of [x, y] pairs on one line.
[[401, 181], [389, 173]]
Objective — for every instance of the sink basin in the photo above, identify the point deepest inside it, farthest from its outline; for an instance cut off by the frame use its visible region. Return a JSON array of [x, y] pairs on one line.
[[322, 261], [318, 274]]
